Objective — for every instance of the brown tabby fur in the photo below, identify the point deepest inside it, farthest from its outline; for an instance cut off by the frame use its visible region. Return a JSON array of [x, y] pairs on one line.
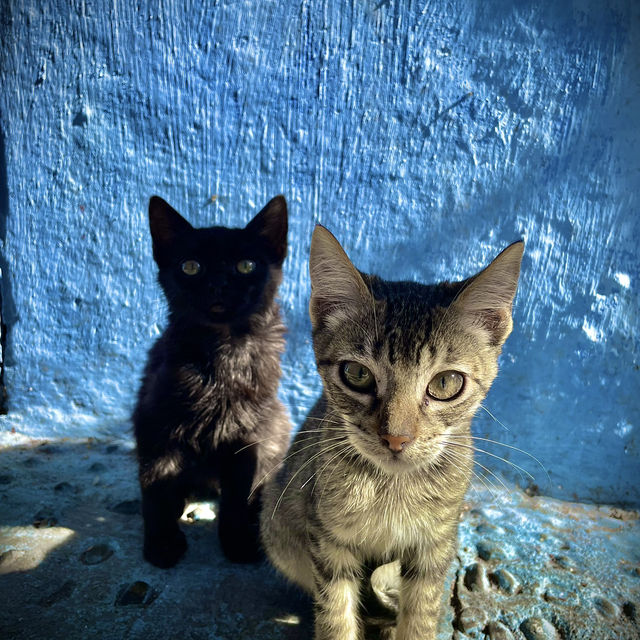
[[353, 522]]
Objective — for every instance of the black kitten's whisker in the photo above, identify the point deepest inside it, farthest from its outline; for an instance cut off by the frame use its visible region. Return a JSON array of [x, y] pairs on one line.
[[306, 464]]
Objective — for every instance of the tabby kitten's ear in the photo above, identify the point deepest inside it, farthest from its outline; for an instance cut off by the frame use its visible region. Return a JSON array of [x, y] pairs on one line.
[[486, 300], [166, 224], [271, 223], [336, 285]]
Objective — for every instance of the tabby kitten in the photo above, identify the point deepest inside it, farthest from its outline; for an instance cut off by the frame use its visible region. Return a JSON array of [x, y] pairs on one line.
[[369, 499], [210, 385]]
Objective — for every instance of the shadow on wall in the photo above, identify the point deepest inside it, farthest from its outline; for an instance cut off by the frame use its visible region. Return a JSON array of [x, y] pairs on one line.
[[7, 306], [71, 559]]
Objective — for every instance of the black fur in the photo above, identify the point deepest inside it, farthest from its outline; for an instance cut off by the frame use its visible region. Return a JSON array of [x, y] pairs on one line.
[[210, 384]]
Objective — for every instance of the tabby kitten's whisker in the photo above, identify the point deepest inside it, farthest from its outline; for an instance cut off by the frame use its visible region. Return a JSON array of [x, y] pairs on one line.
[[518, 468], [294, 453], [324, 420], [459, 460], [304, 466], [504, 426], [508, 446], [257, 442], [474, 461], [491, 473], [486, 483], [332, 417], [317, 474], [347, 451]]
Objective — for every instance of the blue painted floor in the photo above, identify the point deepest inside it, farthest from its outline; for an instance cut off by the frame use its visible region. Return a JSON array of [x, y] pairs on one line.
[[528, 567]]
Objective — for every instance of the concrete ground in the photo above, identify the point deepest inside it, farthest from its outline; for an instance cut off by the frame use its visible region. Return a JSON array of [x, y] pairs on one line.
[[528, 567]]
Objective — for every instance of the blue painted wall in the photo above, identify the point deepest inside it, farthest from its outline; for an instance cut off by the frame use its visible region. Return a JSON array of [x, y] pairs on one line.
[[426, 134]]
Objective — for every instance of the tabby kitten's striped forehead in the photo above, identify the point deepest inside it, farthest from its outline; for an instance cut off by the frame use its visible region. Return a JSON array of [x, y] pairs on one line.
[[406, 365]]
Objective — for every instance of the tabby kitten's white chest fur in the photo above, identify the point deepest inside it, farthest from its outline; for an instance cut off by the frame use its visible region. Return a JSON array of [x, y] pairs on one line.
[[364, 512]]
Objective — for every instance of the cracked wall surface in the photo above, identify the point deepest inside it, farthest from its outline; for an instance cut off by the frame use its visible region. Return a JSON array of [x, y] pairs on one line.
[[426, 135]]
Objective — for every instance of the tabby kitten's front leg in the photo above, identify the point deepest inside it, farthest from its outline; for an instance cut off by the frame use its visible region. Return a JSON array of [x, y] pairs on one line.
[[421, 597], [337, 574]]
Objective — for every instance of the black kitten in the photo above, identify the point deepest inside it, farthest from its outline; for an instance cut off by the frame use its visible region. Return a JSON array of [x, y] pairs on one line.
[[208, 418]]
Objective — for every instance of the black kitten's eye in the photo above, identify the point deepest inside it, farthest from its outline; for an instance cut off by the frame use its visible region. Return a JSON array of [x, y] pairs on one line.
[[245, 267], [357, 376], [446, 385], [190, 267]]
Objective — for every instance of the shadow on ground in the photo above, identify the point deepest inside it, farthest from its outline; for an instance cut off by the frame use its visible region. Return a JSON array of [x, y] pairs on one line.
[[70, 555], [528, 568]]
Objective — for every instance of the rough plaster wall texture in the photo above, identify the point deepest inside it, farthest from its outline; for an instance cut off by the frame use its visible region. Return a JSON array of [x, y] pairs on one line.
[[426, 135]]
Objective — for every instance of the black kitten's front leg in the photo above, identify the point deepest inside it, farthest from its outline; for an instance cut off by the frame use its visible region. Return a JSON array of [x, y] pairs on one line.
[[162, 505], [238, 518]]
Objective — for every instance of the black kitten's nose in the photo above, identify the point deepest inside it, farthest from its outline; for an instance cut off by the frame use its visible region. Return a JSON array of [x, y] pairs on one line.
[[396, 443], [217, 292]]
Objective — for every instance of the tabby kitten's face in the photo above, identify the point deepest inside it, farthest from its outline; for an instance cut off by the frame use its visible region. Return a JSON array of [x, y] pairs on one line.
[[218, 275], [405, 365]]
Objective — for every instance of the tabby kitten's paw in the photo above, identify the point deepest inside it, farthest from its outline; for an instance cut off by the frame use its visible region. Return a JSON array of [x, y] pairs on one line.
[[166, 551]]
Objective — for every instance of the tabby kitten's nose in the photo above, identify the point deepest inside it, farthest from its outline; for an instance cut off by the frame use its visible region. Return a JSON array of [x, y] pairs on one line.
[[396, 443]]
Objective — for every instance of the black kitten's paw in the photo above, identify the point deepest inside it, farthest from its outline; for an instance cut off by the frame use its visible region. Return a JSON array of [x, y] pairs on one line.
[[244, 555], [165, 551], [242, 547]]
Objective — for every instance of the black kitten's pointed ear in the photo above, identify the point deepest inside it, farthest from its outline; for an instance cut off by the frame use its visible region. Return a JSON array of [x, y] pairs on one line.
[[487, 299], [166, 225], [336, 285], [272, 225]]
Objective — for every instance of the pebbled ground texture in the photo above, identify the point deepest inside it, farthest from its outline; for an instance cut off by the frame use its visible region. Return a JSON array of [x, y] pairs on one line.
[[528, 567]]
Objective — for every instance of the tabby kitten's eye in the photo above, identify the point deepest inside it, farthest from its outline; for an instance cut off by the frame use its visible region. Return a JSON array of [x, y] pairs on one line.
[[245, 267], [446, 385], [357, 376], [190, 267]]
